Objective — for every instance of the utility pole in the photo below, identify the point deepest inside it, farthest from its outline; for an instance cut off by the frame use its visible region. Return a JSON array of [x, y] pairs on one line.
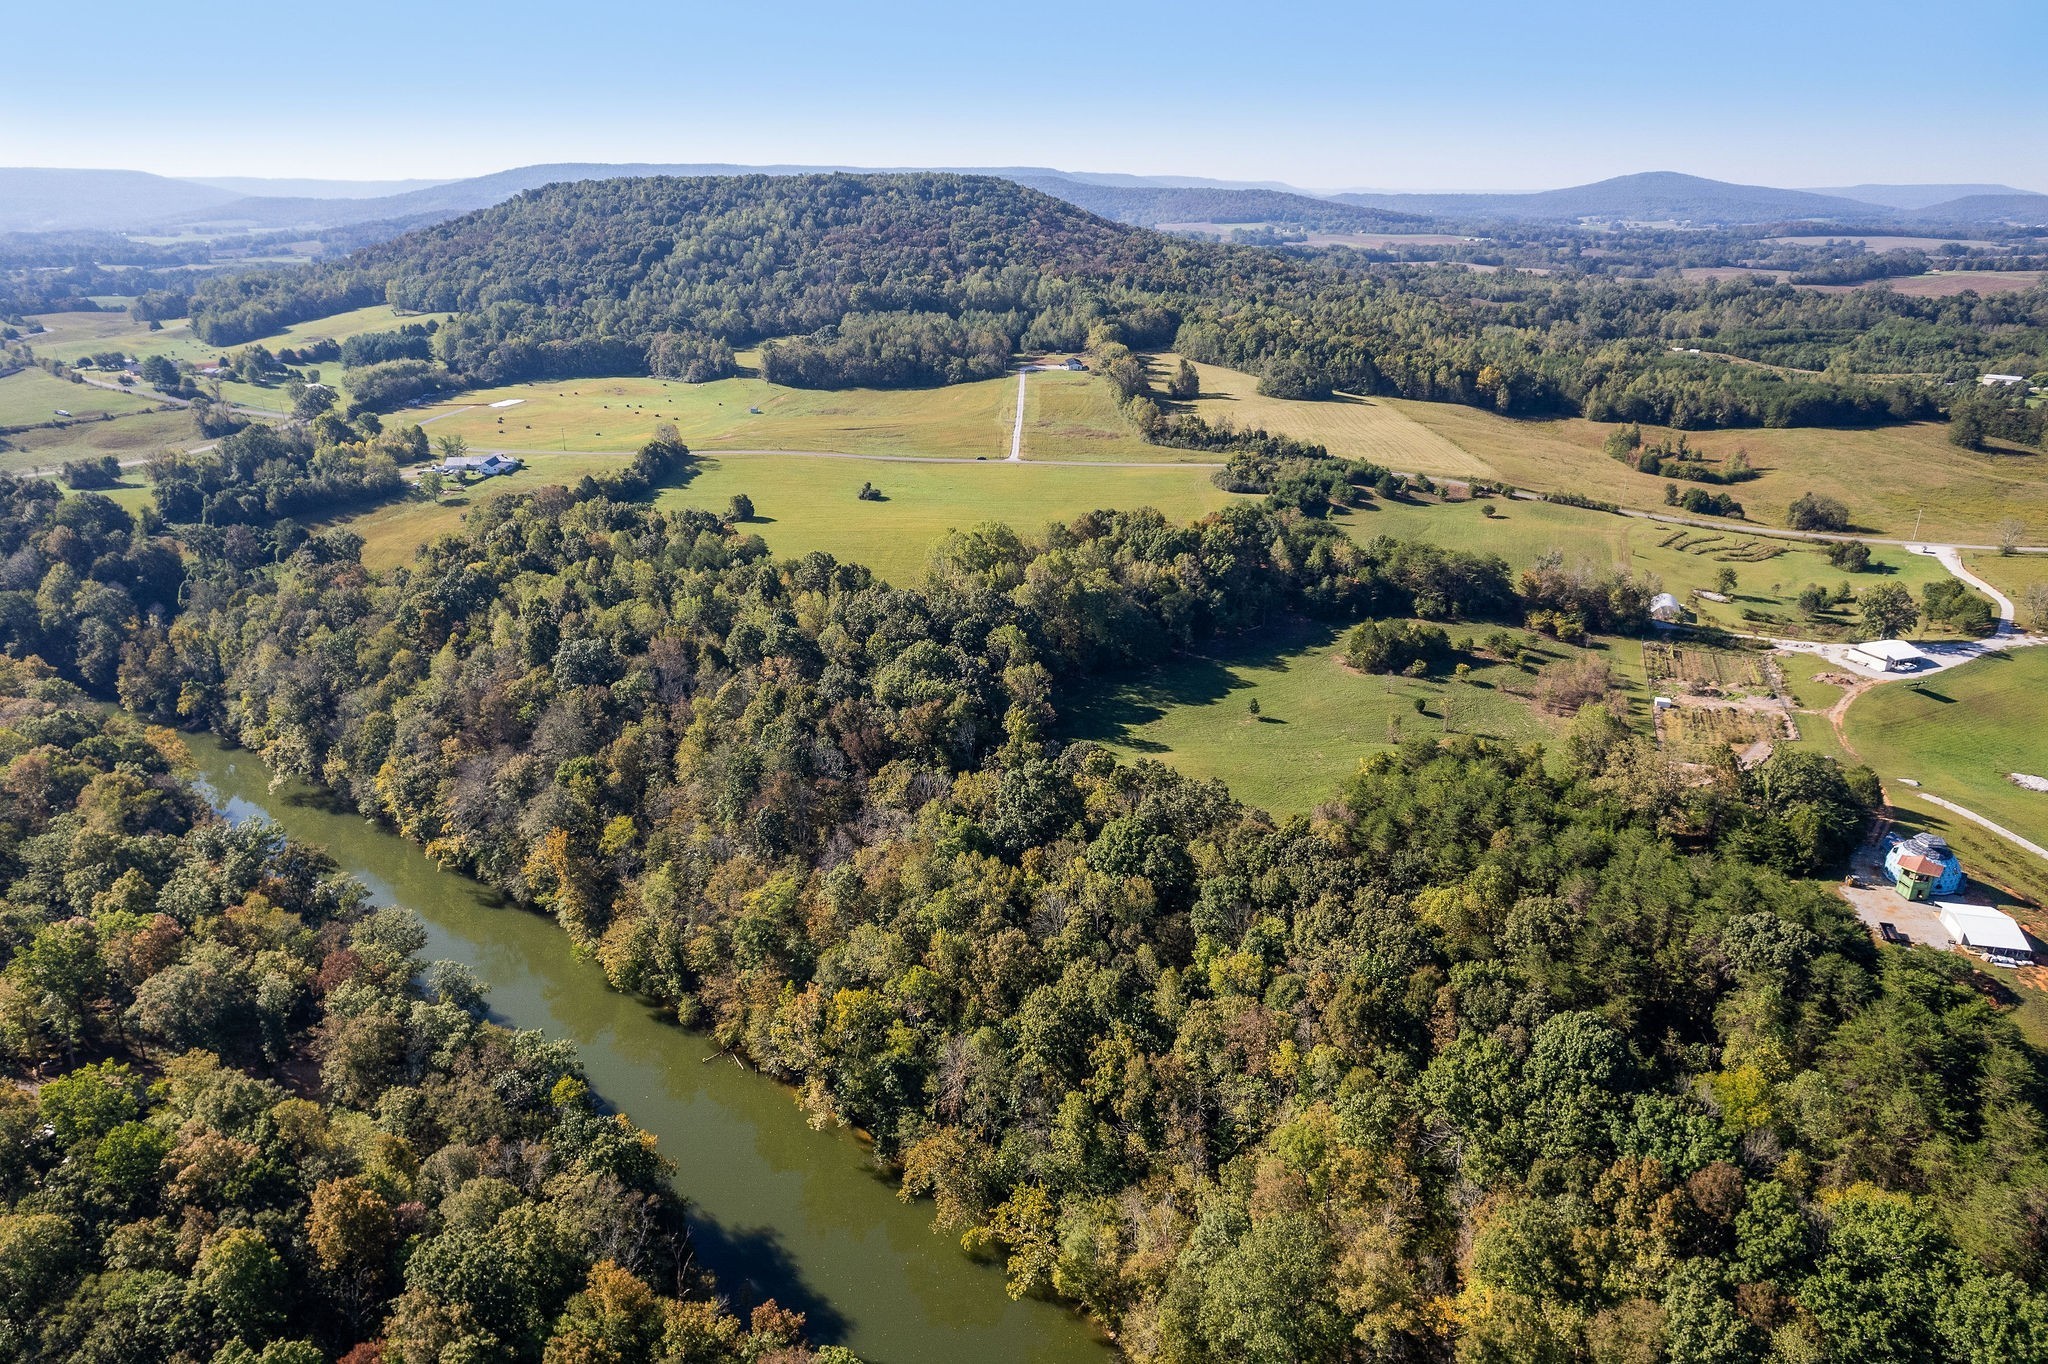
[[1918, 511]]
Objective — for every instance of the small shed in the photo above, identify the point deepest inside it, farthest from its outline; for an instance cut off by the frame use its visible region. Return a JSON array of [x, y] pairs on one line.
[[1992, 934], [1665, 607], [1885, 656]]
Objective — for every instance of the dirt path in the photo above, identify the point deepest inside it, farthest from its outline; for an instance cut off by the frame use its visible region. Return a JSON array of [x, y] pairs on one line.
[[1840, 710]]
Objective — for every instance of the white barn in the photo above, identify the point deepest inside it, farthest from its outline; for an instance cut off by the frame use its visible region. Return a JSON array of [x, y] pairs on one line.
[[1885, 656], [1990, 933]]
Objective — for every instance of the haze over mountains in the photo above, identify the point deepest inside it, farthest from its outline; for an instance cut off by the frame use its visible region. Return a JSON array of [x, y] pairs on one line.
[[55, 200]]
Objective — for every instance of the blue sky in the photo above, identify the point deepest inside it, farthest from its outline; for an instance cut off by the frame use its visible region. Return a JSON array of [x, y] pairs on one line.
[[1415, 95]]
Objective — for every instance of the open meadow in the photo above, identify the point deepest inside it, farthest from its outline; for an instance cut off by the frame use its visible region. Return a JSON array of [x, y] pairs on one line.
[[137, 436], [811, 502], [1961, 732], [29, 397], [2012, 574], [1887, 477], [1317, 718], [1067, 416], [70, 336]]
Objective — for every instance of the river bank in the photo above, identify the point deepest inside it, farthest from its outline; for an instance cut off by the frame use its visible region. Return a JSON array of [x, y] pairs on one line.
[[777, 1209]]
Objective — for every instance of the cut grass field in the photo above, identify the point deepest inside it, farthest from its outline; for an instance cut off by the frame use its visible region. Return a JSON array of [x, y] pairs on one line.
[[1521, 531], [1317, 718], [809, 502], [1887, 477], [131, 437], [1067, 416], [1961, 732], [2012, 574], [1949, 283], [1352, 427], [31, 396]]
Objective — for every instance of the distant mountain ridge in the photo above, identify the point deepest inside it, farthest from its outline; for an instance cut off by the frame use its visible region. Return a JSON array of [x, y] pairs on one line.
[[1652, 196], [1912, 198], [43, 200]]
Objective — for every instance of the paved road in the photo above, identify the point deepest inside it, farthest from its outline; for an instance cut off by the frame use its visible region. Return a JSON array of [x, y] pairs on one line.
[[1017, 432], [2028, 844], [1953, 562]]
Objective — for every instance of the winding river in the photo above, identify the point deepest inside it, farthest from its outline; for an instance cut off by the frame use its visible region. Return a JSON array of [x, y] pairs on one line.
[[777, 1209]]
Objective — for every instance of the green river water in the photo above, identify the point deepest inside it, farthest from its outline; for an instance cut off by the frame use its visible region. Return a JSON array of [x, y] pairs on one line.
[[777, 1209]]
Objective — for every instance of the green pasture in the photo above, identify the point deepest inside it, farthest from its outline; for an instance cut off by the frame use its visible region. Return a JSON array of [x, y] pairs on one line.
[[1890, 478], [31, 396], [1960, 732], [1317, 718], [1066, 417], [810, 502]]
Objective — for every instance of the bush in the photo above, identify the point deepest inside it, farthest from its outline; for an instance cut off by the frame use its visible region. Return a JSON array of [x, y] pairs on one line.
[[1850, 555], [1395, 646], [1811, 511]]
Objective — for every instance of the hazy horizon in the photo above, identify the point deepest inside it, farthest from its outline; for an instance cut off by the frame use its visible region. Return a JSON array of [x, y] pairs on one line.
[[386, 185], [1322, 96]]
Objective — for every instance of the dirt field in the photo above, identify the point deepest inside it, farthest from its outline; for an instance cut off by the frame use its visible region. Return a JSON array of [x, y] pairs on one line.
[[1707, 734], [1943, 284]]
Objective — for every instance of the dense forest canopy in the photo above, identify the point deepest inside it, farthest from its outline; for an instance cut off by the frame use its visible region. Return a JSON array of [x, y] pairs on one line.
[[901, 279], [1502, 1056], [264, 1129]]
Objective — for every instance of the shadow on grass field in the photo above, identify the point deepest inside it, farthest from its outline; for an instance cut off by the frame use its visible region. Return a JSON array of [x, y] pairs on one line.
[[1316, 719]]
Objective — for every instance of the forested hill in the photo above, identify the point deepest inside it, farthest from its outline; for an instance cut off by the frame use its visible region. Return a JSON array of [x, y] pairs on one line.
[[581, 276], [891, 280]]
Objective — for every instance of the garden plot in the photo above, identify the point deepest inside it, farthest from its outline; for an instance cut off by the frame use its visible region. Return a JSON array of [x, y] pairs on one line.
[[1712, 672]]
